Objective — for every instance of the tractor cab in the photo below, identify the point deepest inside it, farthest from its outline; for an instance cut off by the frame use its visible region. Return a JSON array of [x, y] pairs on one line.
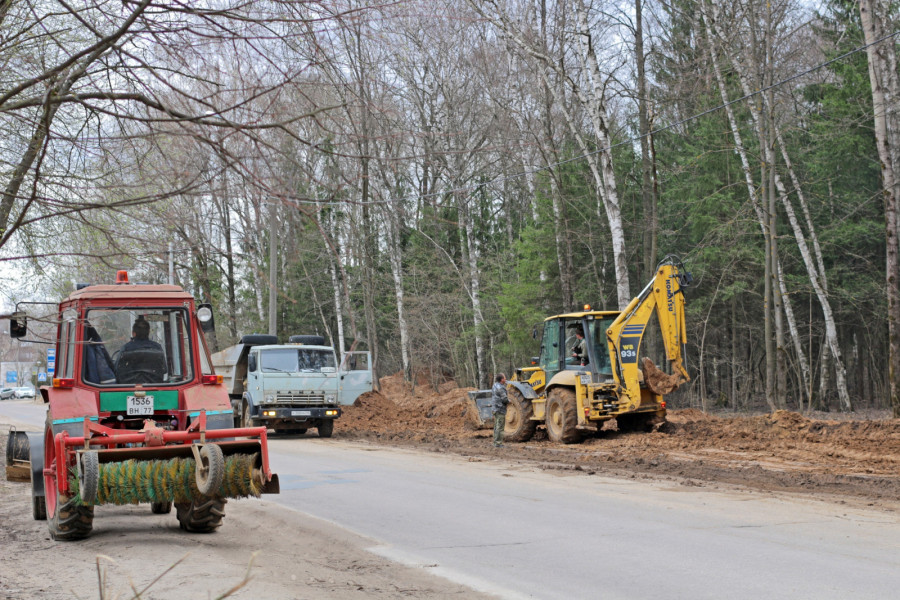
[[577, 342]]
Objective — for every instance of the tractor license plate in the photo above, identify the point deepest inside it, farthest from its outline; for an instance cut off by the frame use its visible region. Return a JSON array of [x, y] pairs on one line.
[[139, 405], [301, 413], [585, 379]]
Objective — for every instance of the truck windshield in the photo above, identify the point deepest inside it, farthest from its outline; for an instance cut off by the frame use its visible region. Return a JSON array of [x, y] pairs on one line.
[[136, 345], [294, 360]]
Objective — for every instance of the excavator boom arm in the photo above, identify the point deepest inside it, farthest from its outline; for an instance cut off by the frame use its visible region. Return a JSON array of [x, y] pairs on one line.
[[664, 294]]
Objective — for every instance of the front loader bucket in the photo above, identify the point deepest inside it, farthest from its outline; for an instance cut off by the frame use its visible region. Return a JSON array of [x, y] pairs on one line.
[[480, 412]]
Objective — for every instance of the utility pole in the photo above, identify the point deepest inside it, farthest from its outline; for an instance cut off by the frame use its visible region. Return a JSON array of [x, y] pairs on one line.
[[273, 253], [171, 265]]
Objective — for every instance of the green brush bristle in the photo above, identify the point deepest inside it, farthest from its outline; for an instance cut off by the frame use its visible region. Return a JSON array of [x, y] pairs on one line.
[[133, 481]]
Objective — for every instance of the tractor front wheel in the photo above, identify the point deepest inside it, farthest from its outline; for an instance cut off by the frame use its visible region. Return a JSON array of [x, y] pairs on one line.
[[562, 416], [519, 424], [66, 519], [203, 515]]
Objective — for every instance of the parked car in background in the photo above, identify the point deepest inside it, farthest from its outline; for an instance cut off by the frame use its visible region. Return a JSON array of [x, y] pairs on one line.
[[24, 392], [7, 393]]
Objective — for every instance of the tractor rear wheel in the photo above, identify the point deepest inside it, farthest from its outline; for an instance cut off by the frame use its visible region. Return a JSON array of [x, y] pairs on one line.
[[161, 508], [326, 428], [203, 515], [519, 425], [66, 520], [562, 416]]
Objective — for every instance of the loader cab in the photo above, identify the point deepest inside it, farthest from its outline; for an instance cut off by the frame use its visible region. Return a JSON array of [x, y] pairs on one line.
[[560, 338]]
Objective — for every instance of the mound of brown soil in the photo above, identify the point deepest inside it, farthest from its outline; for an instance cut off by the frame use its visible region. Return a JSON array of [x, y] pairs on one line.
[[781, 450]]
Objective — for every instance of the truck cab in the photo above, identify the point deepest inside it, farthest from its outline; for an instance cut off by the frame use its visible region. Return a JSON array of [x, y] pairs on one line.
[[291, 387]]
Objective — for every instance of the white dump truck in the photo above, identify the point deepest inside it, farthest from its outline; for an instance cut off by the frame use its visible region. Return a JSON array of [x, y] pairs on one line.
[[291, 387]]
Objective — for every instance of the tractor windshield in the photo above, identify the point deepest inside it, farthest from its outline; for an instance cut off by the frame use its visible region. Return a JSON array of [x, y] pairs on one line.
[[294, 360], [137, 345], [598, 329]]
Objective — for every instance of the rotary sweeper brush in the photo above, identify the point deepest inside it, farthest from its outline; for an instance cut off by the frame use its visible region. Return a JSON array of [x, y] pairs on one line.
[[136, 413]]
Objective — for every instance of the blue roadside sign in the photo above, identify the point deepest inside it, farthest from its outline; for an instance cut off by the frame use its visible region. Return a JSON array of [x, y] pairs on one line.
[[42, 376], [11, 377], [51, 366], [51, 354]]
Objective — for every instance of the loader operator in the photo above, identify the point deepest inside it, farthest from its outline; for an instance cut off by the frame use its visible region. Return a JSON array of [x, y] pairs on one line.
[[578, 350], [141, 360], [499, 400]]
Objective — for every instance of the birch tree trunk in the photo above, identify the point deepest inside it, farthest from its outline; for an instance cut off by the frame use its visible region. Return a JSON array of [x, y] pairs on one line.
[[879, 62]]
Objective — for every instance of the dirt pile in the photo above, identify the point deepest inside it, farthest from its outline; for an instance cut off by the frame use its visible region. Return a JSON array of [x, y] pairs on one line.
[[401, 411], [839, 454]]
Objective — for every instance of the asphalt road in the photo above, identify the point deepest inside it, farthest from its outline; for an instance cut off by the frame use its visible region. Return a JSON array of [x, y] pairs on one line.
[[519, 532]]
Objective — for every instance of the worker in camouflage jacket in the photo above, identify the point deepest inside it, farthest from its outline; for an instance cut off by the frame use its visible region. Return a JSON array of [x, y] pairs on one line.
[[499, 400]]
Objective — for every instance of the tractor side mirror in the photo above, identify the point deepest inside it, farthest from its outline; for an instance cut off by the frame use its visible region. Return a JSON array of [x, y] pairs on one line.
[[18, 325], [205, 316]]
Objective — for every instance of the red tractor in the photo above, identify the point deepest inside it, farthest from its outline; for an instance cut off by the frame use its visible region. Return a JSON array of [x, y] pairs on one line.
[[136, 413]]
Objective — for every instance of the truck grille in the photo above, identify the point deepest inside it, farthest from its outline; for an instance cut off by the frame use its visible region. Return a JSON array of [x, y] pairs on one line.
[[300, 399]]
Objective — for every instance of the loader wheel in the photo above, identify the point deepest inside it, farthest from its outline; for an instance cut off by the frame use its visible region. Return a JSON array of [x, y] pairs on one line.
[[519, 425], [210, 469], [161, 508], [89, 477], [562, 417], [326, 428], [203, 515], [66, 520]]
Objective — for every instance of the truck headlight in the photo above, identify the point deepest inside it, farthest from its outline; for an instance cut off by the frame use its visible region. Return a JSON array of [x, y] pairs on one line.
[[269, 398], [330, 398]]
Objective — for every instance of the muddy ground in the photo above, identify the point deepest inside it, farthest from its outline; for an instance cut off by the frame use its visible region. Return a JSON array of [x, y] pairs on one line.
[[841, 456]]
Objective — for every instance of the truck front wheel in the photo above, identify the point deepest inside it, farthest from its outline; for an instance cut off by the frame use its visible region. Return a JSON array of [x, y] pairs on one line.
[[246, 421], [326, 428]]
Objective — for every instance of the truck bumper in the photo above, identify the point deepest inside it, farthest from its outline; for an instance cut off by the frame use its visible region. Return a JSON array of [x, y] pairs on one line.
[[272, 415]]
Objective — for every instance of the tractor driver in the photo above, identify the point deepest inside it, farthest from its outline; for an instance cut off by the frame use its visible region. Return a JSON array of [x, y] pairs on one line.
[[579, 353], [141, 360]]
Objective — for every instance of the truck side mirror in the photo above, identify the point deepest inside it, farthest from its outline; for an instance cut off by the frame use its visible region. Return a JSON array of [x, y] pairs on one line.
[[18, 325], [205, 316], [534, 333], [251, 363]]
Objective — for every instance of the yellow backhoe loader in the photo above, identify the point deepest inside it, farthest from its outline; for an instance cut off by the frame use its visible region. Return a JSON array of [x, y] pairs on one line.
[[578, 384]]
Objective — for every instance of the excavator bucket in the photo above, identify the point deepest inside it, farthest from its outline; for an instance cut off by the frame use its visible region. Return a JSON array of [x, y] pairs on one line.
[[658, 381]]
